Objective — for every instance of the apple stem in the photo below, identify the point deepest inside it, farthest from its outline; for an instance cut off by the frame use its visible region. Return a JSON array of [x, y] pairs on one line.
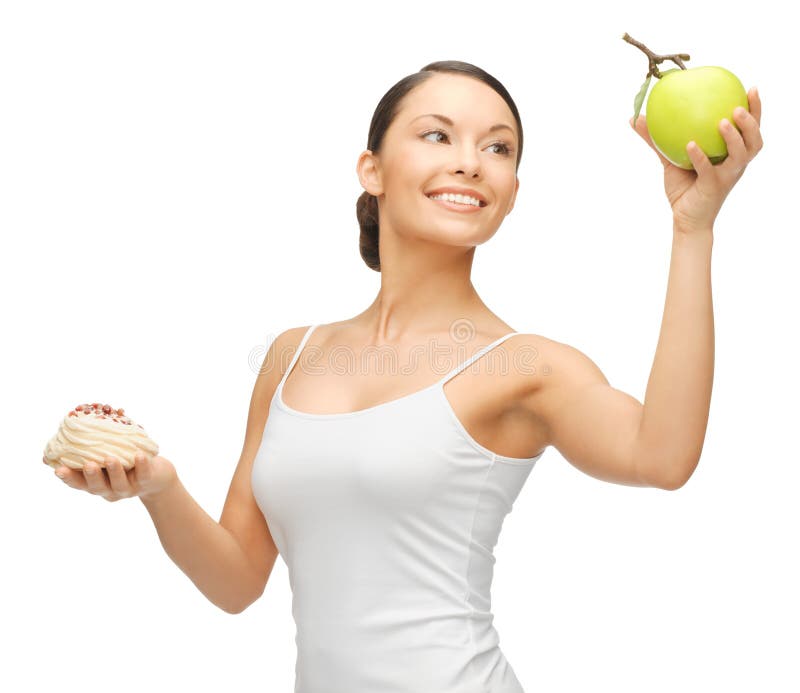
[[655, 59]]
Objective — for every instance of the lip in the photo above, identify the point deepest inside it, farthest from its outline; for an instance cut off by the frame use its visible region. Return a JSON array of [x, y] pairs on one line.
[[459, 191]]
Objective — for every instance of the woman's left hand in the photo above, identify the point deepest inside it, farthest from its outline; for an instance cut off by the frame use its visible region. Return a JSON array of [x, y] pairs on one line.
[[696, 196]]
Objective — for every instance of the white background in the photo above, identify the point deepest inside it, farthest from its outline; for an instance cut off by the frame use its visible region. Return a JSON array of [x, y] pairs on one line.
[[178, 186]]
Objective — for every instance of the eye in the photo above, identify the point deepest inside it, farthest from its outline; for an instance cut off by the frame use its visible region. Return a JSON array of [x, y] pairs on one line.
[[433, 132], [505, 148]]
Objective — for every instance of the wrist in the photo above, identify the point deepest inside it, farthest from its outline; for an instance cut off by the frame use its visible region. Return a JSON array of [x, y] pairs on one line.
[[162, 497], [689, 230], [703, 235]]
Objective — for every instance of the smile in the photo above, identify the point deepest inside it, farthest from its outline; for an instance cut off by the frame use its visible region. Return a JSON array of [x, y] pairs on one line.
[[461, 207]]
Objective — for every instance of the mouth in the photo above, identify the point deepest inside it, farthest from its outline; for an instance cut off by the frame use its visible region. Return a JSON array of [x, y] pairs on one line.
[[461, 207]]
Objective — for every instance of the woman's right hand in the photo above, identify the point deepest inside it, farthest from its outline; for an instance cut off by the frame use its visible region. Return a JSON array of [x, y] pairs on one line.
[[147, 478]]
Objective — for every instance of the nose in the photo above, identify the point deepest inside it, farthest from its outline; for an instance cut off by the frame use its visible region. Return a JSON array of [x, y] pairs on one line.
[[467, 161], [472, 168]]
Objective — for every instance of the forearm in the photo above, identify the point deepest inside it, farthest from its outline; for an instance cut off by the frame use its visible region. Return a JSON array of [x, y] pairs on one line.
[[202, 548], [678, 396]]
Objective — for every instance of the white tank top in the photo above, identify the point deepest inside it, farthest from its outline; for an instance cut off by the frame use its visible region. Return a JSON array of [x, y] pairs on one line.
[[386, 518]]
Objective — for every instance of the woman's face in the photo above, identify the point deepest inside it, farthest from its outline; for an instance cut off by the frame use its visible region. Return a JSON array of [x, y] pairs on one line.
[[415, 159]]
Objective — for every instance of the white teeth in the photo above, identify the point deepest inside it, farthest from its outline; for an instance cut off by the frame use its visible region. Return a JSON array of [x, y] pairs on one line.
[[463, 199]]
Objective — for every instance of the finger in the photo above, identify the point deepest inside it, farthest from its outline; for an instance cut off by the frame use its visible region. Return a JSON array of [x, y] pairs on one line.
[[118, 479], [754, 103], [71, 477], [700, 161], [641, 129], [143, 468], [734, 142], [95, 479], [751, 133]]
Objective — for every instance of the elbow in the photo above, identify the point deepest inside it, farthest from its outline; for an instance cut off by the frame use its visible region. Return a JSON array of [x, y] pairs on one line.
[[667, 475], [667, 467], [673, 485], [243, 606], [680, 475], [234, 610], [251, 595]]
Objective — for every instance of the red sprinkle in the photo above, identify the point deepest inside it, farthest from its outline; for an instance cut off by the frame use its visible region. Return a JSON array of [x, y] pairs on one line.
[[103, 411]]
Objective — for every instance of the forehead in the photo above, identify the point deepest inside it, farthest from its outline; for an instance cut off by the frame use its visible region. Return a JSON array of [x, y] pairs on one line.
[[465, 100]]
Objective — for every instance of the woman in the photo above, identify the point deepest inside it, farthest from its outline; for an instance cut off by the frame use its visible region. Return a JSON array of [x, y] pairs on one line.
[[385, 494]]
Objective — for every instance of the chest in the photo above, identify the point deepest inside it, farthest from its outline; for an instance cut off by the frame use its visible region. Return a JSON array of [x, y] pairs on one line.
[[491, 401]]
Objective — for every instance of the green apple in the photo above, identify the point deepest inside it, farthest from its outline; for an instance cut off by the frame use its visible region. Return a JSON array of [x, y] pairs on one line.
[[687, 105]]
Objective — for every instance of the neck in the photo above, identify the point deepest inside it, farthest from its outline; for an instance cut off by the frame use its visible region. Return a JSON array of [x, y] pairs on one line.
[[414, 305]]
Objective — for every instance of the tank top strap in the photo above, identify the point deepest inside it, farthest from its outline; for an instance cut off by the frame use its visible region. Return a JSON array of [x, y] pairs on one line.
[[296, 355], [475, 357]]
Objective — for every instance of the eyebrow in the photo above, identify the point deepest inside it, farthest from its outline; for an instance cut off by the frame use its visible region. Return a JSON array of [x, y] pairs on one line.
[[447, 121]]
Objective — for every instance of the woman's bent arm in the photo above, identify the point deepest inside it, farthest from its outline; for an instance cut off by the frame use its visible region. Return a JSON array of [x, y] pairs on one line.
[[203, 549]]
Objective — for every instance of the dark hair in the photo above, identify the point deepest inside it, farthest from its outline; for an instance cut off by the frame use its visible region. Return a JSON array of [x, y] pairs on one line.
[[385, 112]]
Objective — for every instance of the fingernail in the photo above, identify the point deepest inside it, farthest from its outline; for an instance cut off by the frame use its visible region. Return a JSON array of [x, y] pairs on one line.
[[89, 470], [60, 474]]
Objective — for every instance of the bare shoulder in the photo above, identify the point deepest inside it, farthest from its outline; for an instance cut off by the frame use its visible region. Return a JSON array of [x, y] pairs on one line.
[[279, 354], [557, 370], [536, 358], [569, 366], [276, 360]]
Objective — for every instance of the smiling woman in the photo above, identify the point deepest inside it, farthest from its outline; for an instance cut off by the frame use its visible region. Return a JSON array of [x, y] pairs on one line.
[[385, 116], [385, 494], [386, 499]]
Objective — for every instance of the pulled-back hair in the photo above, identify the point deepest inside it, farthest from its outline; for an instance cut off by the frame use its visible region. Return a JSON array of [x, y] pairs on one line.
[[385, 112]]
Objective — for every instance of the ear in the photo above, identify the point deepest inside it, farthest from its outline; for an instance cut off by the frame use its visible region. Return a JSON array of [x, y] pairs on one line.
[[368, 173]]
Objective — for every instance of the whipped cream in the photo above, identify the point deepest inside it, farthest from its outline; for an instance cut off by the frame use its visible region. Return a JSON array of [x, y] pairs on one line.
[[92, 432]]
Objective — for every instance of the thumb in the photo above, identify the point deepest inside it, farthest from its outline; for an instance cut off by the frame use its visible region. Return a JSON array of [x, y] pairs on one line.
[[641, 129]]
